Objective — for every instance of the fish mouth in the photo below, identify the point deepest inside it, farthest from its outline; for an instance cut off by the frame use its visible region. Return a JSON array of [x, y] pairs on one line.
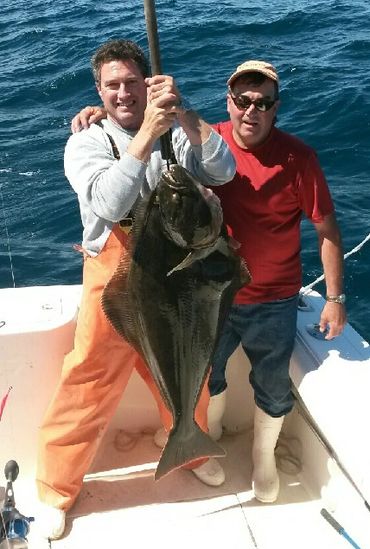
[[191, 213], [171, 180]]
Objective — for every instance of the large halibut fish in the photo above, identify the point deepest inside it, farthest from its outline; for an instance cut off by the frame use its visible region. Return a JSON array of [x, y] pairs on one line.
[[169, 297]]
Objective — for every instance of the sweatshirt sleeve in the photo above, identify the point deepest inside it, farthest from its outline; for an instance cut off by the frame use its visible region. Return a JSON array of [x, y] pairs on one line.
[[108, 187], [212, 162]]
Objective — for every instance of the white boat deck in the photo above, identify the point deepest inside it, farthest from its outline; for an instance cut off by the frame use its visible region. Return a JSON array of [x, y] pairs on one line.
[[121, 506]]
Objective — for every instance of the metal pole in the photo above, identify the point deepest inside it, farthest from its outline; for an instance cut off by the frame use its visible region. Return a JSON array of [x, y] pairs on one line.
[[155, 61], [152, 33]]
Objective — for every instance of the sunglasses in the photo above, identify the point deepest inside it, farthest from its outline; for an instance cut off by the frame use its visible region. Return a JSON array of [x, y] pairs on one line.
[[243, 102]]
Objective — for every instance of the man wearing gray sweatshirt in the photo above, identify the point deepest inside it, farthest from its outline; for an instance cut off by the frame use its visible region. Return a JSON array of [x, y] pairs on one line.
[[111, 166]]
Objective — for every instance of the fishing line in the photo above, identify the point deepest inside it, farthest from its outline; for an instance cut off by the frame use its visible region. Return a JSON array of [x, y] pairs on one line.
[[7, 235]]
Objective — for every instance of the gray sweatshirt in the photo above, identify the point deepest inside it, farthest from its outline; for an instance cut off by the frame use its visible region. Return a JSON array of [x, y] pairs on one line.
[[108, 188]]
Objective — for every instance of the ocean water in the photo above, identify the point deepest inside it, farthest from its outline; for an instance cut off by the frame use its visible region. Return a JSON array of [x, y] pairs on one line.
[[320, 48]]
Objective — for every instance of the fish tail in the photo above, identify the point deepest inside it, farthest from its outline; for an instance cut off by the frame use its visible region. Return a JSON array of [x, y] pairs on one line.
[[179, 450]]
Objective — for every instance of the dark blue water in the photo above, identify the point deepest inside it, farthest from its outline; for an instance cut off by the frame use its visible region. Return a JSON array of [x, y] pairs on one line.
[[322, 52]]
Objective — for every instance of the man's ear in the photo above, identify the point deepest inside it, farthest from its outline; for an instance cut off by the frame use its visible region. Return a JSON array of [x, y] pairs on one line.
[[99, 92], [275, 110]]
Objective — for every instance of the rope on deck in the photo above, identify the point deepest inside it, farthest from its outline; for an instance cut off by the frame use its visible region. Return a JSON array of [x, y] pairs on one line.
[[309, 287]]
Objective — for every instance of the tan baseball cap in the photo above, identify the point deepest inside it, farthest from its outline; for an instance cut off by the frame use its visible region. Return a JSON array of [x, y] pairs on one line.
[[254, 66]]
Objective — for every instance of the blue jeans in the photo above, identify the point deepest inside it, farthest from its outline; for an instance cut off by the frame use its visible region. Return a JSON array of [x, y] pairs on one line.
[[266, 332]]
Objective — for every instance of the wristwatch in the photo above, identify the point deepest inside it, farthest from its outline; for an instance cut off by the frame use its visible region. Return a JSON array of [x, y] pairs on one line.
[[341, 298]]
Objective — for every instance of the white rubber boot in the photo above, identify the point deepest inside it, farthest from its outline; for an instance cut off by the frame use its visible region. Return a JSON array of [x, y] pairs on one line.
[[51, 521], [265, 478], [210, 473], [160, 437], [216, 410]]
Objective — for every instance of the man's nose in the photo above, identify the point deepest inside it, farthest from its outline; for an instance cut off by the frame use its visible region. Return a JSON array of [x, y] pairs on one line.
[[251, 109], [122, 90]]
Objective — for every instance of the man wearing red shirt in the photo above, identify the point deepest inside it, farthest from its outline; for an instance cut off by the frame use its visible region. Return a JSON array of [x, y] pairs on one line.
[[278, 179]]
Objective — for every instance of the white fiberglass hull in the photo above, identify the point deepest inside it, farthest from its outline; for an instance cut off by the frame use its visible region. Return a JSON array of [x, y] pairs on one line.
[[120, 500]]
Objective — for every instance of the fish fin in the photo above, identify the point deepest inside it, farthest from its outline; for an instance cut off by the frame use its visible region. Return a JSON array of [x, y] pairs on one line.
[[116, 296], [234, 244], [230, 245], [193, 256], [115, 301], [180, 451], [189, 260], [245, 275]]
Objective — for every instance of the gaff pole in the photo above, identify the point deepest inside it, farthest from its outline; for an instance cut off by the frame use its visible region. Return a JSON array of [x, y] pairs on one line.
[[155, 62]]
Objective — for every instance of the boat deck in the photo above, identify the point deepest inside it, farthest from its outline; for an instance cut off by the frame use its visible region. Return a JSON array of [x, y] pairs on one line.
[[122, 506]]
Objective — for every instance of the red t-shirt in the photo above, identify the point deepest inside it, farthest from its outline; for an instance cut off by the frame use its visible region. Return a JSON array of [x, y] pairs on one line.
[[274, 184]]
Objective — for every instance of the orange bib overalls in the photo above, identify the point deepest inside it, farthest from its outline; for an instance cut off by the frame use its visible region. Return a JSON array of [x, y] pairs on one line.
[[94, 376]]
